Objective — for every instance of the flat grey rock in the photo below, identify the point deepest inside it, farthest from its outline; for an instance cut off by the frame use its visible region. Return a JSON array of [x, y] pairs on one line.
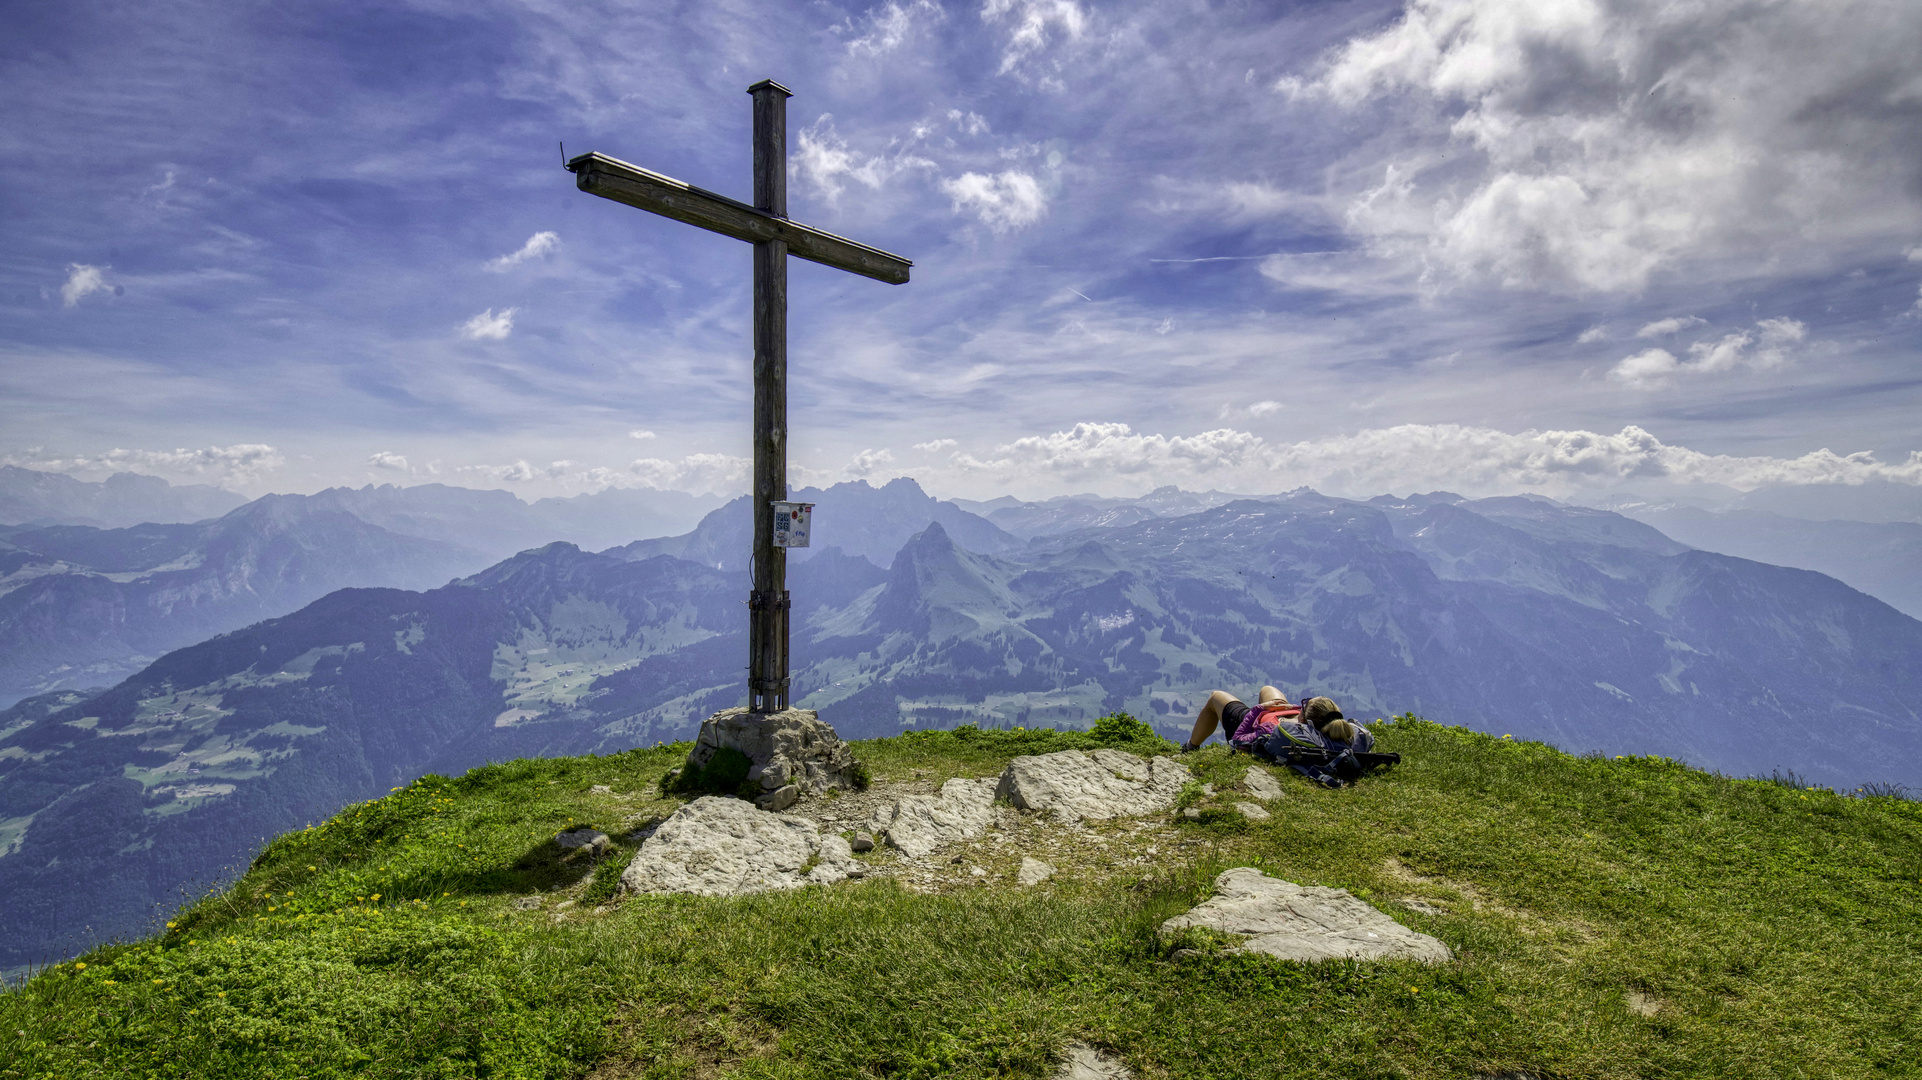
[[1033, 872], [579, 838], [1079, 1061], [919, 825], [1077, 785], [1261, 783], [716, 846], [1308, 923], [1252, 811], [780, 798]]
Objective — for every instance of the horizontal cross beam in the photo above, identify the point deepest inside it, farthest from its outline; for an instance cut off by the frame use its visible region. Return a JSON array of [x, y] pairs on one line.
[[610, 178]]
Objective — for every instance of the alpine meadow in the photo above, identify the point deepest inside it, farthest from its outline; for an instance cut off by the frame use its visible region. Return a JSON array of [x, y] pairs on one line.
[[961, 538]]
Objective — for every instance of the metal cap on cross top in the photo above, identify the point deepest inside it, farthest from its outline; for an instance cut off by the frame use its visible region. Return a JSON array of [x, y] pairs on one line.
[[766, 225]]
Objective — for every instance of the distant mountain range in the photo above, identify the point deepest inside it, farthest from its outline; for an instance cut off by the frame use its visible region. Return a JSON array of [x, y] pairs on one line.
[[29, 497], [83, 605], [1066, 513], [854, 518], [1881, 558], [1522, 616], [499, 524]]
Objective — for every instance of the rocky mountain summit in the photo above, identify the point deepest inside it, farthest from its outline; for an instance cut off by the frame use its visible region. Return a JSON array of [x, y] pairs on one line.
[[1529, 913], [716, 846]]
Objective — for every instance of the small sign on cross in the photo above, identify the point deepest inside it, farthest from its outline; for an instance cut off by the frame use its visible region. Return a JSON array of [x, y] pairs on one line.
[[767, 226], [791, 520]]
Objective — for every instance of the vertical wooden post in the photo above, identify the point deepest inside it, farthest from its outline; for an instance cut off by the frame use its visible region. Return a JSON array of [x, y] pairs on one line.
[[767, 663]]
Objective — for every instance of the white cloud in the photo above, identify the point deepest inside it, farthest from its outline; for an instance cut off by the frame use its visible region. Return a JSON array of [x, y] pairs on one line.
[[890, 24], [935, 446], [387, 459], [640, 433], [1665, 327], [1034, 24], [1005, 201], [1776, 336], [1762, 348], [488, 326], [241, 463], [720, 474], [82, 280], [1411, 457], [868, 462], [1584, 145], [972, 123], [538, 245], [1481, 459], [1113, 449], [826, 159], [1914, 254], [1264, 408], [519, 472], [1650, 367], [1592, 335]]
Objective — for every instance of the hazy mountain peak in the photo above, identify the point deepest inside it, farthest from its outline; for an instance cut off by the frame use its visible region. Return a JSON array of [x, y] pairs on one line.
[[929, 542], [27, 495]]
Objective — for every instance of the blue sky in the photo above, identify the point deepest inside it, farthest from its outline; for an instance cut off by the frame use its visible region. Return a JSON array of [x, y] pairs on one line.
[[1488, 245]]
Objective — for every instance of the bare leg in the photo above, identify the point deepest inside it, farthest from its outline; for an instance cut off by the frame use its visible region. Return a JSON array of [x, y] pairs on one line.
[[1271, 694], [1210, 717]]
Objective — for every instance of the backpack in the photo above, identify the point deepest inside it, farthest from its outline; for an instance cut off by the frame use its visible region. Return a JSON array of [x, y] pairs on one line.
[[1328, 762]]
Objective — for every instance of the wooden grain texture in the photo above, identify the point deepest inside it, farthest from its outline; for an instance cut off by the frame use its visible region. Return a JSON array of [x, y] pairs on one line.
[[610, 178], [767, 686]]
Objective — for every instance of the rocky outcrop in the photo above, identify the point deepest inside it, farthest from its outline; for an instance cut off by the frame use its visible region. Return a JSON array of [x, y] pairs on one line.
[[717, 846], [790, 749], [1309, 923], [918, 824], [1075, 785]]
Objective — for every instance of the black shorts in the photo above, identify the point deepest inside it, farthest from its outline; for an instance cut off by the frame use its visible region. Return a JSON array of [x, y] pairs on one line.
[[1231, 715]]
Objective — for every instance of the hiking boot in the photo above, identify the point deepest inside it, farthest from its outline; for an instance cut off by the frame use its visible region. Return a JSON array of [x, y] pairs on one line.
[[1188, 748]]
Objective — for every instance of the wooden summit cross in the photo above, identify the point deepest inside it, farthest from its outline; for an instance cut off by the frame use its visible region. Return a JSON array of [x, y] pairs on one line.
[[766, 226]]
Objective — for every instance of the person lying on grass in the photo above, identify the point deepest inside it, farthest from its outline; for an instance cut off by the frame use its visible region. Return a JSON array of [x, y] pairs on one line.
[[1273, 724]]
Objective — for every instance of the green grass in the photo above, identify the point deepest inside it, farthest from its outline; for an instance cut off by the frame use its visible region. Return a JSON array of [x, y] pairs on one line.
[[1775, 932]]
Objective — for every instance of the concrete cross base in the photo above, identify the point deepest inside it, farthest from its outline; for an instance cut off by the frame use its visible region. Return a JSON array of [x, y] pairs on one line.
[[792, 752]]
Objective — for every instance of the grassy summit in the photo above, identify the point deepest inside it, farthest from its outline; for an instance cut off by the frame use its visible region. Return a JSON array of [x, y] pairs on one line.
[[1627, 917]]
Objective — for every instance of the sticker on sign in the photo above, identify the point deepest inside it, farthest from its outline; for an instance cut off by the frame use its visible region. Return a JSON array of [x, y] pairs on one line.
[[791, 523]]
